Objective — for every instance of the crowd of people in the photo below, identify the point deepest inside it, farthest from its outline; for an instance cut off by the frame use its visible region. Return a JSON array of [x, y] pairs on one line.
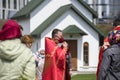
[[18, 62]]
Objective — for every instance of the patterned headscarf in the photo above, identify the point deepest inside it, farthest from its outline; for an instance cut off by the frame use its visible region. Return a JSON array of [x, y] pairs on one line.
[[114, 37]]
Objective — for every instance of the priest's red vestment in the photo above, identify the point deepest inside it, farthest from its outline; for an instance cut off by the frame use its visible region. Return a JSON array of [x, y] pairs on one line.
[[54, 67]]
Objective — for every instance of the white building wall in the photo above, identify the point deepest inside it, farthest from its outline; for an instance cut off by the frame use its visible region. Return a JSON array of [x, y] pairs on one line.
[[10, 7], [107, 8], [0, 9], [83, 10], [93, 41], [25, 23], [93, 53], [99, 9], [80, 54], [40, 14], [36, 45]]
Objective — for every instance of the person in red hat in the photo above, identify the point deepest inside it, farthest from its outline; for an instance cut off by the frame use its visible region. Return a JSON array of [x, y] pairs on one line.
[[116, 26], [16, 59], [55, 57]]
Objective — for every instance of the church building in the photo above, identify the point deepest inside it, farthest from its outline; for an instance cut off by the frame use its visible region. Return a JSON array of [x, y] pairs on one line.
[[77, 21]]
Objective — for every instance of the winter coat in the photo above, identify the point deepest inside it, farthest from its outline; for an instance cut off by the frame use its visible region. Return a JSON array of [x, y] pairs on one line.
[[16, 61], [110, 67]]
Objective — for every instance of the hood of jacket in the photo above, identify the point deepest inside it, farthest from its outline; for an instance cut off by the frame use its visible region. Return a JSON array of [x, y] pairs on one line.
[[11, 49]]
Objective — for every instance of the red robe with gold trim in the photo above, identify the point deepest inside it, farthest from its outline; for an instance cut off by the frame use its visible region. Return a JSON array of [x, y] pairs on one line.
[[54, 67]]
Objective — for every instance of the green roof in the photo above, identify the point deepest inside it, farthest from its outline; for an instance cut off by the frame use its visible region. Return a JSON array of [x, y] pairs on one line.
[[35, 3], [58, 13], [25, 11], [73, 29], [51, 19]]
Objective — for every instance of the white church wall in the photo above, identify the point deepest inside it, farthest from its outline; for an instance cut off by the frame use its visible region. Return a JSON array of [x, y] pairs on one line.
[[25, 23], [40, 14], [83, 10]]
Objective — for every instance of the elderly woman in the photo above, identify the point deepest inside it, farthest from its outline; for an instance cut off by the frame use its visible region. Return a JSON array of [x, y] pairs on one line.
[[16, 59], [110, 67]]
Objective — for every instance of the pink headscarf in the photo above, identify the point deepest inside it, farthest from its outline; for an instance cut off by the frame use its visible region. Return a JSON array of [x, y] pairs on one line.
[[10, 30]]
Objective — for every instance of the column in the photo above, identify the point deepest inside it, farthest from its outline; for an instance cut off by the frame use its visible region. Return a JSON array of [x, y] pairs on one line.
[[21, 4], [90, 2], [6, 10], [99, 9], [0, 9], [107, 8], [17, 5], [11, 4]]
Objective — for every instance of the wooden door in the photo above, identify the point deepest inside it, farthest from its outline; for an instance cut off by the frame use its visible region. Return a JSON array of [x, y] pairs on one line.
[[73, 51]]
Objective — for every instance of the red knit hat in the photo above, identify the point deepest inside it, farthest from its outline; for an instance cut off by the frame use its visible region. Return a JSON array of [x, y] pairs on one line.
[[10, 30]]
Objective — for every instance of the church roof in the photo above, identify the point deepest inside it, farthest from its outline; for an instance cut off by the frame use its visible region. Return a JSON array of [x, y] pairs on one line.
[[73, 29], [58, 13], [25, 11]]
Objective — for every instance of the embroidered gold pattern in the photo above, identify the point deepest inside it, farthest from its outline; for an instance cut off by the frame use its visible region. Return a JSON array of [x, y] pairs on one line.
[[49, 59]]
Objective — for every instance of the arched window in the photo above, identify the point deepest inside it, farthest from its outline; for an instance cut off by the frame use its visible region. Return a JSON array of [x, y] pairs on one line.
[[85, 54]]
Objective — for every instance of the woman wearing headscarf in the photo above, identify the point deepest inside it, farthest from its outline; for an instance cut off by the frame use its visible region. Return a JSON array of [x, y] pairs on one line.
[[116, 26], [110, 66], [16, 59]]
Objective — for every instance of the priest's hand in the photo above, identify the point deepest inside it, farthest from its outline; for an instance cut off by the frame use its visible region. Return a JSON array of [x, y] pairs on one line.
[[65, 45]]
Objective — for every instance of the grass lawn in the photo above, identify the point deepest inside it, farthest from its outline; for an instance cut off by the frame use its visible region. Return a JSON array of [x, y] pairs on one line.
[[84, 77]]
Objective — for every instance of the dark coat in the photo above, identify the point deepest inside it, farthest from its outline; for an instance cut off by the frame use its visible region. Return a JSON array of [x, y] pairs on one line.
[[110, 67]]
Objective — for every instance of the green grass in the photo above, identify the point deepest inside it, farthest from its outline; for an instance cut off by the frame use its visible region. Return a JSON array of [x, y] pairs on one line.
[[84, 77]]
